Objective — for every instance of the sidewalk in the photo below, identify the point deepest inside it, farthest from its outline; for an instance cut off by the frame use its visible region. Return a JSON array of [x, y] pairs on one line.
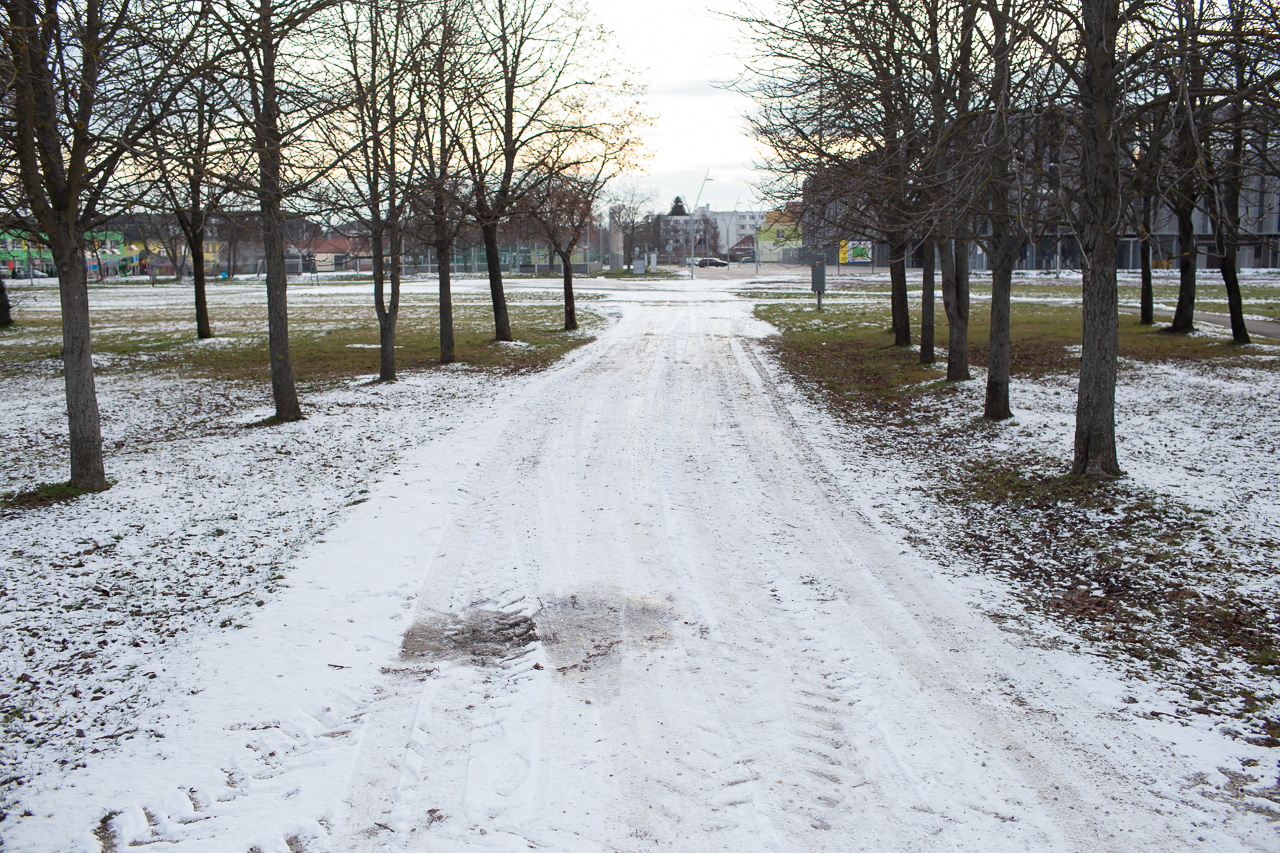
[[1257, 328]]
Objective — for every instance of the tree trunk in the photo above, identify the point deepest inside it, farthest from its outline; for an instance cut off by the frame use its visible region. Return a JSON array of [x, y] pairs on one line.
[[270, 195], [1226, 227], [501, 320], [926, 304], [1184, 314], [1230, 278], [1095, 439], [447, 355], [283, 389], [570, 310], [387, 329], [996, 407], [203, 329], [87, 471], [444, 261], [6, 309], [955, 302], [1099, 218], [898, 293], [387, 347], [1147, 311], [386, 314]]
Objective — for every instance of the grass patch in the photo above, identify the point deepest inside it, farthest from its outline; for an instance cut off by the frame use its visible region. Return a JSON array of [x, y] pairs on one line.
[[332, 338], [847, 352], [1138, 576], [846, 348], [42, 495], [1044, 339], [997, 481], [1147, 581], [652, 275]]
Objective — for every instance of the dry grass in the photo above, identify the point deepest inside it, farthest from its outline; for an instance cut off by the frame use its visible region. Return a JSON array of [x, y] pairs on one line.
[[331, 338], [1138, 575]]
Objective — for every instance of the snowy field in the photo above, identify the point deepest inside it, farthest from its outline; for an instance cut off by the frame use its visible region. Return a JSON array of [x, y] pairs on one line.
[[652, 598]]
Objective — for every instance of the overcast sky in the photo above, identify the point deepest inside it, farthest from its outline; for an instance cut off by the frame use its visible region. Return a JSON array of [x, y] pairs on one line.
[[681, 49]]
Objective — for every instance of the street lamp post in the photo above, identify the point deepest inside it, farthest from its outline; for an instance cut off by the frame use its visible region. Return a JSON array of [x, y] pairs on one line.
[[689, 225]]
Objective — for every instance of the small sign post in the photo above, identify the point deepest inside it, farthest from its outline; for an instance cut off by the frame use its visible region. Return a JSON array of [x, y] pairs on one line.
[[819, 278]]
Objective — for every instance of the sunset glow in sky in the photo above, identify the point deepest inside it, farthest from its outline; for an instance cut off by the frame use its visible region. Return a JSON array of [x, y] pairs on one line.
[[681, 49]]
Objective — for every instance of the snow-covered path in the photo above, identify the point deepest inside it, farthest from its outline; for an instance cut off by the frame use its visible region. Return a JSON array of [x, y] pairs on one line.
[[632, 609]]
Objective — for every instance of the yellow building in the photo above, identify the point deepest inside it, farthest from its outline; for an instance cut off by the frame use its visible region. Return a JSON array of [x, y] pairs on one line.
[[779, 238]]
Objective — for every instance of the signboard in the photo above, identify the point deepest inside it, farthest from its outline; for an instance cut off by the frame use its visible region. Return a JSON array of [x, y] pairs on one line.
[[852, 250]]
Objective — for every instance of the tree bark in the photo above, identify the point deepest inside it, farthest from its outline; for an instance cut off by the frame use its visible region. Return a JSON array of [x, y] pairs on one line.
[[1226, 227], [270, 195], [898, 293], [501, 320], [996, 406], [570, 309], [203, 329], [927, 297], [1239, 332], [386, 313], [955, 302], [387, 348], [283, 389], [447, 355], [6, 309], [387, 323], [233, 246], [1147, 309], [444, 260], [1095, 438], [87, 470], [1184, 314], [1099, 218]]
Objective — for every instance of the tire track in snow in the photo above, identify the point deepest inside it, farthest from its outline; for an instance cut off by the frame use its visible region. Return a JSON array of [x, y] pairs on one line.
[[731, 657]]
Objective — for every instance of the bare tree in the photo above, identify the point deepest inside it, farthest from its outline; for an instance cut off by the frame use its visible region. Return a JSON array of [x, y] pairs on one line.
[[1015, 134], [1097, 211], [631, 209], [1242, 82], [858, 103], [160, 236], [81, 79], [442, 193], [563, 205], [947, 57], [1184, 66], [197, 155], [378, 138], [561, 210], [527, 114], [278, 96]]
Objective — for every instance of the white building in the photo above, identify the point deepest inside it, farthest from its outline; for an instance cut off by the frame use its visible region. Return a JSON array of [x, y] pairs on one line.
[[737, 228]]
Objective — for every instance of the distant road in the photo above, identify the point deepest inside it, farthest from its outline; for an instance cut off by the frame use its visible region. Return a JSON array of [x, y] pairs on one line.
[[1257, 328]]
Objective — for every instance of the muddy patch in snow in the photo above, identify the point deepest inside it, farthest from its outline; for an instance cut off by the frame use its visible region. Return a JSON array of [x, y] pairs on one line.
[[478, 636], [581, 633]]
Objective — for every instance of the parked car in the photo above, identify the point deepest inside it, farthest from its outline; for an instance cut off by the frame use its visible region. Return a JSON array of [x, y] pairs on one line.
[[712, 262]]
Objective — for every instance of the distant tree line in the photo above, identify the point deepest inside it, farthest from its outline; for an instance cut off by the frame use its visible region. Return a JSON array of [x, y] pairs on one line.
[[929, 126], [425, 118]]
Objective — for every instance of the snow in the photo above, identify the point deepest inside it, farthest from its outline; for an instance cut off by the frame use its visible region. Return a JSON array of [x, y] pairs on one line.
[[650, 598]]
